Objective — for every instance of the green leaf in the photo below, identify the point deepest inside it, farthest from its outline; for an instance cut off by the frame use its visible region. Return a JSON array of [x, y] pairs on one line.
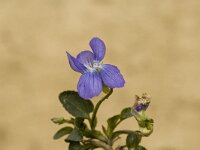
[[94, 123], [133, 140], [94, 134], [76, 105], [146, 123], [74, 146], [78, 146], [104, 130], [76, 136], [140, 148], [126, 113], [113, 121], [62, 132], [79, 122], [119, 132], [87, 146]]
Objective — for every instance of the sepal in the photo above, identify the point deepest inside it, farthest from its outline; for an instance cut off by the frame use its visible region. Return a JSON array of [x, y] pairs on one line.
[[105, 89]]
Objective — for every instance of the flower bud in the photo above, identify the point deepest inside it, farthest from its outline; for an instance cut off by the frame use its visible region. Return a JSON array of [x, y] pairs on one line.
[[58, 120], [138, 110], [142, 103]]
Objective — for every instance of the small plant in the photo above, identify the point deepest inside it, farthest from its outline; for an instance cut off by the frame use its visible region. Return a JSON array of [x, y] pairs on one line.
[[96, 77]]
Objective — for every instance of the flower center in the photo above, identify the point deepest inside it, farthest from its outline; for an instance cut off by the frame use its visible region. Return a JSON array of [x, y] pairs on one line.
[[94, 66]]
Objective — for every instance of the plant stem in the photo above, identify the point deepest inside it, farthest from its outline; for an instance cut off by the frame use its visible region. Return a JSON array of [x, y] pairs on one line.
[[101, 144], [117, 133], [92, 122]]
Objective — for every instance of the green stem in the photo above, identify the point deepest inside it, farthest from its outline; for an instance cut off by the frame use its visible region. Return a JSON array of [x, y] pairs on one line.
[[117, 133], [101, 144], [92, 121], [123, 131], [117, 124]]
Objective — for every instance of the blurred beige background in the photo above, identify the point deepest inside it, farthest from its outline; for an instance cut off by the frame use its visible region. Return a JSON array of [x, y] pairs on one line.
[[156, 45]]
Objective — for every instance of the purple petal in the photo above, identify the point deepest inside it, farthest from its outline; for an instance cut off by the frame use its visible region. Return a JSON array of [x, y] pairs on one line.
[[89, 85], [139, 107], [86, 57], [75, 64], [98, 47], [111, 76]]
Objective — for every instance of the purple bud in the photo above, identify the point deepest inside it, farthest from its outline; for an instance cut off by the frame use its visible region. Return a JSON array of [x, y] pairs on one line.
[[142, 103]]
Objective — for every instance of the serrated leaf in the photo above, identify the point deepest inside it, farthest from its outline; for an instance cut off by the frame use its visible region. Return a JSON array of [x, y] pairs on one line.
[[60, 133], [126, 113], [76, 135], [76, 105]]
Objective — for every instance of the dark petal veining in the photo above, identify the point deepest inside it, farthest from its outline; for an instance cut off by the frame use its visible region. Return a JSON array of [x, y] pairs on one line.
[[89, 85], [111, 76]]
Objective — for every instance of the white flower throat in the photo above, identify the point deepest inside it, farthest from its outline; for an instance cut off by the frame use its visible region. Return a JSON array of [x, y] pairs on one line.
[[93, 66]]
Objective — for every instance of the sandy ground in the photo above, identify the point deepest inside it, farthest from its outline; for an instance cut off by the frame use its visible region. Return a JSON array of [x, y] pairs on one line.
[[156, 45]]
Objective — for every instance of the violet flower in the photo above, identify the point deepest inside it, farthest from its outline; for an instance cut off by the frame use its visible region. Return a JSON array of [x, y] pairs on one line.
[[94, 73]]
